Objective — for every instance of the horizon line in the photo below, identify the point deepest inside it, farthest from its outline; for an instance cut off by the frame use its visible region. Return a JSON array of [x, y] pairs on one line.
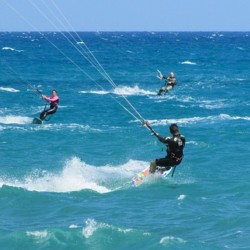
[[129, 31]]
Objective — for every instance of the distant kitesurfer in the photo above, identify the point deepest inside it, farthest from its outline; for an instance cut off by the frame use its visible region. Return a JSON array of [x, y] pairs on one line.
[[53, 100], [175, 146], [170, 83]]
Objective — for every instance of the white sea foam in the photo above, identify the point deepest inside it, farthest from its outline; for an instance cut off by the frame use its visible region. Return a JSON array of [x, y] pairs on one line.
[[125, 90], [129, 51], [73, 226], [194, 102], [92, 226], [47, 126], [8, 48], [37, 234], [13, 119], [181, 197], [169, 240], [77, 175], [197, 119], [9, 89], [80, 42], [189, 63], [11, 49], [96, 92], [192, 142], [60, 126], [121, 90]]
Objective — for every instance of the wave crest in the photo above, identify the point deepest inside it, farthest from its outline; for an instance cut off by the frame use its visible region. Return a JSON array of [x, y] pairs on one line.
[[77, 175], [121, 90]]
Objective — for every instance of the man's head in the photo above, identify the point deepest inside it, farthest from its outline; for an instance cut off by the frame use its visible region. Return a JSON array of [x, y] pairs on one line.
[[173, 128], [171, 74]]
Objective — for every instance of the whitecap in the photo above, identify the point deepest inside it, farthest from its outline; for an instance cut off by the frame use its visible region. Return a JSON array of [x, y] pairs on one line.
[[181, 197], [121, 90], [73, 226], [92, 226], [37, 234], [8, 48], [97, 92], [129, 51], [13, 119], [125, 90], [80, 42], [11, 49], [77, 175], [192, 142], [197, 119], [189, 63], [61, 126], [167, 240], [9, 89]]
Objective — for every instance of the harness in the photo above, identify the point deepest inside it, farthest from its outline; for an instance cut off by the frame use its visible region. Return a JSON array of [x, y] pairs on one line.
[[171, 81], [173, 156], [54, 104]]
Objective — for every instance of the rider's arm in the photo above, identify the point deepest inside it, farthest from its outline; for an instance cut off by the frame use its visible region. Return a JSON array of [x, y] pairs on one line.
[[164, 77], [50, 99], [162, 139]]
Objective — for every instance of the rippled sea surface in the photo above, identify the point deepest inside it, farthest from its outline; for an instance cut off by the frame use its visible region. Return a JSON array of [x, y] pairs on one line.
[[66, 184]]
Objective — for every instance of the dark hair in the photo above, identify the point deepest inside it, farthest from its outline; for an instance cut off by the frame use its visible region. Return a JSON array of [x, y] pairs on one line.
[[173, 128]]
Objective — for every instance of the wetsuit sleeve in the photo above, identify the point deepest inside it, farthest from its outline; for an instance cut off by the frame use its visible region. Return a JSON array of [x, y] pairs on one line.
[[52, 99], [164, 140]]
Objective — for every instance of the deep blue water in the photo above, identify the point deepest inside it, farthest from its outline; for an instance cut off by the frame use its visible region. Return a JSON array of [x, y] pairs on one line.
[[65, 184]]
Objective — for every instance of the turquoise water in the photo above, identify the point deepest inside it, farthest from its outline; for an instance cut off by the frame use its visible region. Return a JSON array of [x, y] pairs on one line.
[[65, 184]]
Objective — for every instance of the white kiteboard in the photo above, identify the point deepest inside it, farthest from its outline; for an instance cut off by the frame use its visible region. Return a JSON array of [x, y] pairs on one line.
[[140, 177], [37, 121]]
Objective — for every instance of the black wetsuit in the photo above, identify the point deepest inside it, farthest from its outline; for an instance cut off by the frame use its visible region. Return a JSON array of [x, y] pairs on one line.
[[170, 83], [175, 146], [52, 109]]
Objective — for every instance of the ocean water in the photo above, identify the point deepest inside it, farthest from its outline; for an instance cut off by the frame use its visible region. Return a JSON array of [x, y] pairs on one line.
[[66, 184]]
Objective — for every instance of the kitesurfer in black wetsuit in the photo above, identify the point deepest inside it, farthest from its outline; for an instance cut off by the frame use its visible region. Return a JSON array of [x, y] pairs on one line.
[[175, 146], [170, 83]]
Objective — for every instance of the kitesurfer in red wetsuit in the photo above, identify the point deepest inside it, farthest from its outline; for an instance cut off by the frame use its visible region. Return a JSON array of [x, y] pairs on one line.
[[53, 100]]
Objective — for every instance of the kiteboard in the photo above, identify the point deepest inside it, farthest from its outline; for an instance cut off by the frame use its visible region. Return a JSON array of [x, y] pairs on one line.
[[140, 177], [164, 90], [37, 121], [137, 180]]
